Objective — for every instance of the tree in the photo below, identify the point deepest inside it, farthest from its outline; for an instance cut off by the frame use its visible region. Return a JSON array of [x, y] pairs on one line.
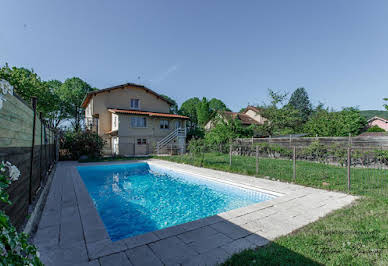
[[72, 93], [300, 101], [28, 84], [203, 112], [216, 105], [57, 114], [189, 109], [324, 123], [174, 106]]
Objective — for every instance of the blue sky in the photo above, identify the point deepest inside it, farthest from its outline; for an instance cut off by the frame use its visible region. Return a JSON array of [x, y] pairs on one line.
[[231, 50]]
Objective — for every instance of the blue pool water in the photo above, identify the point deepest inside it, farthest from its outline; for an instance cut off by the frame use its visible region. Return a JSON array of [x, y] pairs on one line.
[[137, 198]]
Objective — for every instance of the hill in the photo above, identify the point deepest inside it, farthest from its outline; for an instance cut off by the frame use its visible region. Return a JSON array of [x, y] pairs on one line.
[[371, 113]]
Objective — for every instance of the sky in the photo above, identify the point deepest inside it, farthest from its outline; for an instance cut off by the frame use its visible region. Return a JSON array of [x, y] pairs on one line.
[[231, 50]]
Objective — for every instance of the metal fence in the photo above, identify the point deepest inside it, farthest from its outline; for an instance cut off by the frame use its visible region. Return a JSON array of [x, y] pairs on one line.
[[353, 169]]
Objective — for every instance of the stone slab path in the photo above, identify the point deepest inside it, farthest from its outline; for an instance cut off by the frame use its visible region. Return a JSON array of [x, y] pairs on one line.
[[71, 232]]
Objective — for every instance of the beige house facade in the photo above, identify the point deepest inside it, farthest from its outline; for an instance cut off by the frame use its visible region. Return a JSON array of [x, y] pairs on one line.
[[134, 121]]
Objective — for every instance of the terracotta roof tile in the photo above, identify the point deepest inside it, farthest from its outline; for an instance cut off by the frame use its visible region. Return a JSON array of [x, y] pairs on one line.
[[245, 119]]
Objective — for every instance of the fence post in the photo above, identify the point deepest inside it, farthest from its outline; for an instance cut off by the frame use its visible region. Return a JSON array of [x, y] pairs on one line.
[[230, 155], [171, 149], [257, 160], [33, 101], [294, 163], [349, 161], [40, 148]]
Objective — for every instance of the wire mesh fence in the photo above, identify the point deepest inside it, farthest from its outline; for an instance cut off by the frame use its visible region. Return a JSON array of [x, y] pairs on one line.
[[348, 168]]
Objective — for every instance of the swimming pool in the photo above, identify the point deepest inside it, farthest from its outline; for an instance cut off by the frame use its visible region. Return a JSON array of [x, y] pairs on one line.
[[137, 198]]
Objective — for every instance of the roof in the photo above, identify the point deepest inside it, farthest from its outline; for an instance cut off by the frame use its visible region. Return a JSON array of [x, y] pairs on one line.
[[378, 118], [93, 93], [245, 119], [374, 134], [254, 109], [135, 112]]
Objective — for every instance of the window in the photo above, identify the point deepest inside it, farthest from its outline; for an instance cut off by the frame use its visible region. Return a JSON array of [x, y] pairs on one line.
[[135, 104], [138, 122], [164, 124], [141, 141], [178, 124]]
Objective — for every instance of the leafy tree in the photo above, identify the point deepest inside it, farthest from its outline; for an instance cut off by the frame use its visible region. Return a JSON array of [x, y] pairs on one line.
[[375, 129], [174, 107], [225, 131], [57, 114], [216, 105], [82, 143], [300, 101], [28, 84], [324, 123], [189, 109], [203, 112], [72, 93]]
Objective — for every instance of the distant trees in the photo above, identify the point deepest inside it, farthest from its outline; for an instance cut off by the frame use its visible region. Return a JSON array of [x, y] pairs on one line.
[[324, 123], [56, 100], [300, 101]]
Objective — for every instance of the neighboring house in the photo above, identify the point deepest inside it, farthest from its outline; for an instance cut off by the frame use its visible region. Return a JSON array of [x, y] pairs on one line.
[[250, 116], [378, 121], [134, 120]]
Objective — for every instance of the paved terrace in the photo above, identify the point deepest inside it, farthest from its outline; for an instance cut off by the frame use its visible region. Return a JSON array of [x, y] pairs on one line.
[[71, 231]]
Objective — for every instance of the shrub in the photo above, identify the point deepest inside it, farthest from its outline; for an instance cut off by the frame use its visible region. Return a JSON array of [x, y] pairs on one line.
[[14, 248], [375, 129], [80, 143]]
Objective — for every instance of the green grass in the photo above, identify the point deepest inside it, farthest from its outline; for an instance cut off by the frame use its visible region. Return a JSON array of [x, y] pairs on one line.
[[355, 235]]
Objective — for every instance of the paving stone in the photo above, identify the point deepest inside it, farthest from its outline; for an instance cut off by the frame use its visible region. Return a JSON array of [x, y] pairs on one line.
[[197, 234], [171, 250], [170, 231], [48, 236], [65, 256], [202, 222], [209, 242], [140, 240], [90, 263], [212, 257], [118, 259], [143, 255], [103, 248], [238, 246], [231, 230], [71, 232], [257, 240]]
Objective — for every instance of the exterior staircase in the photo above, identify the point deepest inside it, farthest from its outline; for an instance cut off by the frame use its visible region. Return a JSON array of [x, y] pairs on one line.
[[176, 134]]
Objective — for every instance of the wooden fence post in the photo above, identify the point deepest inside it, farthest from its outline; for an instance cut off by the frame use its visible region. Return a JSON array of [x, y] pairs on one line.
[[294, 163], [230, 155], [349, 162], [257, 160], [33, 102]]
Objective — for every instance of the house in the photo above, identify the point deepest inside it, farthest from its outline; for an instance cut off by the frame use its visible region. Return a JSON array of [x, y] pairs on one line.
[[250, 116], [378, 121], [134, 120]]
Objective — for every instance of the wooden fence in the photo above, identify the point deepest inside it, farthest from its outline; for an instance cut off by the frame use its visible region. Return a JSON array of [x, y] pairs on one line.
[[354, 142], [33, 157]]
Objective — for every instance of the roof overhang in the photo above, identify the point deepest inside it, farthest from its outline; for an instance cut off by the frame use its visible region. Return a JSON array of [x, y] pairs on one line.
[[145, 113], [122, 86]]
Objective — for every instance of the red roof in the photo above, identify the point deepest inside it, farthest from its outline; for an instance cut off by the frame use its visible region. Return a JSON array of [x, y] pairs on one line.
[[135, 112]]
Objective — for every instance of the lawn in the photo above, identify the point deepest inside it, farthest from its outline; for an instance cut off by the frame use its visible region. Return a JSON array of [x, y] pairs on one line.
[[355, 235]]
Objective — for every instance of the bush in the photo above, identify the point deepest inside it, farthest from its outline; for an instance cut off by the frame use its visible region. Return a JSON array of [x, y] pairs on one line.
[[14, 248], [80, 143], [375, 129]]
